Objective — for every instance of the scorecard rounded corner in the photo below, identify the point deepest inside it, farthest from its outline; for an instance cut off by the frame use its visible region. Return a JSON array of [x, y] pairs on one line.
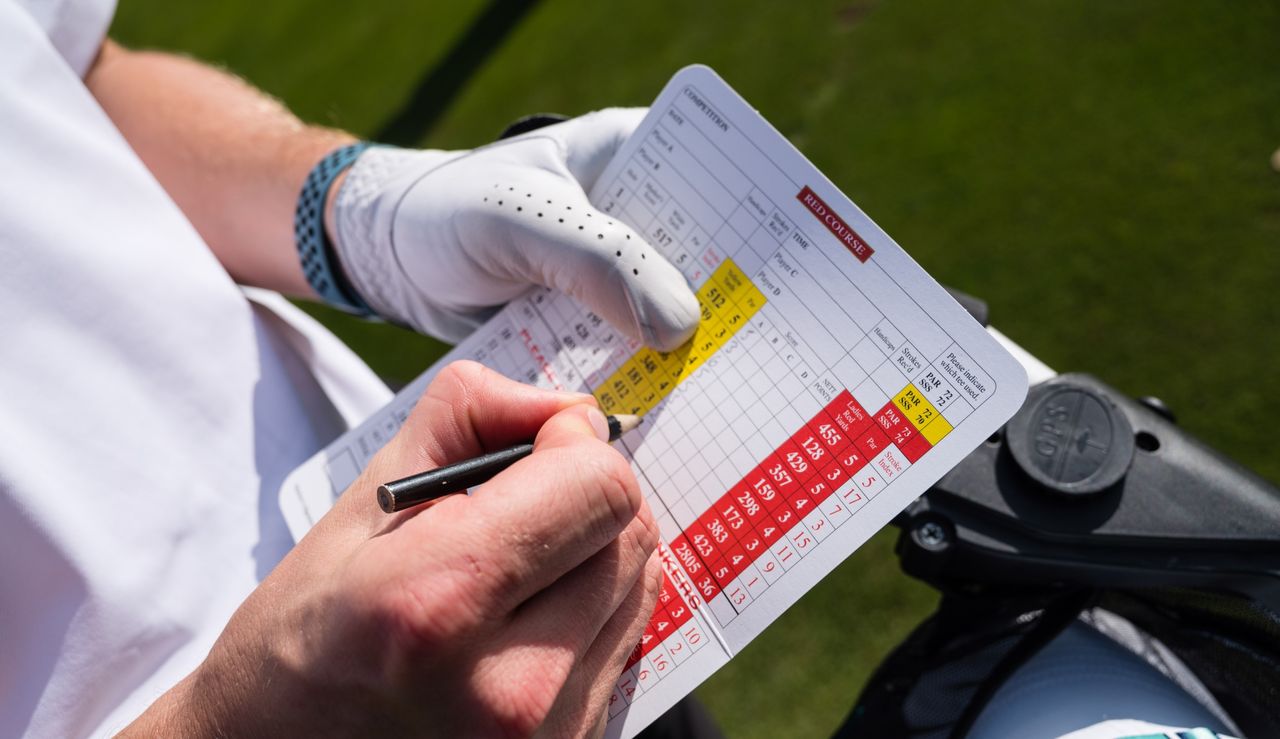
[[693, 72], [1022, 384], [1014, 387]]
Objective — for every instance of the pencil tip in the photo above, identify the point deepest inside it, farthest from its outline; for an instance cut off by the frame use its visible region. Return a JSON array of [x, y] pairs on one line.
[[627, 421]]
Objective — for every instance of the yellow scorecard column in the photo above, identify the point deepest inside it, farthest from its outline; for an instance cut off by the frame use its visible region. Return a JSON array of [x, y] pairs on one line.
[[728, 300], [921, 413]]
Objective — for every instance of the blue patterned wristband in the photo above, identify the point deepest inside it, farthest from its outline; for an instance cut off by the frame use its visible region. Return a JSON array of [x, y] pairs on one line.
[[319, 262]]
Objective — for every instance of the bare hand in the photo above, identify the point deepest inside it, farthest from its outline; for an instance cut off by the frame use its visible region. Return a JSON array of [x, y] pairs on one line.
[[505, 613]]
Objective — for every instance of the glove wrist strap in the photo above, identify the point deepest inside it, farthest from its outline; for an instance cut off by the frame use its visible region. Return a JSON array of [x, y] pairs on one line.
[[319, 260]]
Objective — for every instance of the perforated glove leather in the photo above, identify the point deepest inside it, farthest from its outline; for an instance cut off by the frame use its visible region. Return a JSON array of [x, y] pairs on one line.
[[439, 240]]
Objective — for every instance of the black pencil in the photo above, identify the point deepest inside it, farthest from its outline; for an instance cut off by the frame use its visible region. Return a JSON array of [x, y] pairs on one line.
[[425, 487]]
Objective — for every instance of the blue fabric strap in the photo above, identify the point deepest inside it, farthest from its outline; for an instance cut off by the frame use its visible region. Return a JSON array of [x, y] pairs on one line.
[[319, 262]]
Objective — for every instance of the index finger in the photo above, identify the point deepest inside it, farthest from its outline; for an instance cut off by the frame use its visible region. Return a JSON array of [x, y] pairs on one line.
[[466, 410], [541, 517]]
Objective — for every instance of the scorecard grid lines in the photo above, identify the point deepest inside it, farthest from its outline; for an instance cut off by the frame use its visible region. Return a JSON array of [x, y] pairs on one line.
[[894, 428], [701, 500], [813, 385], [779, 173]]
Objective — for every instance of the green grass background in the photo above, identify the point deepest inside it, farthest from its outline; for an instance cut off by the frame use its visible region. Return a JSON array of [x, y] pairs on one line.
[[1098, 172]]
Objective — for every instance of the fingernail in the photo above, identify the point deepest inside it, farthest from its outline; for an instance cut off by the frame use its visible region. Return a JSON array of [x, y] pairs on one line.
[[598, 423]]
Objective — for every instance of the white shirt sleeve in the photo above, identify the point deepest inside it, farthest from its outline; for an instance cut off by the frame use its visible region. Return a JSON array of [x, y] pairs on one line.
[[76, 28]]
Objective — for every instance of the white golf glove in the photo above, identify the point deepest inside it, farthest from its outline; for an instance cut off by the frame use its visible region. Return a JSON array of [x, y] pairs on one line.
[[439, 240]]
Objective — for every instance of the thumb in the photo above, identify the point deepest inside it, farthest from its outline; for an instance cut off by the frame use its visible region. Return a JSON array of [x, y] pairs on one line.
[[612, 270]]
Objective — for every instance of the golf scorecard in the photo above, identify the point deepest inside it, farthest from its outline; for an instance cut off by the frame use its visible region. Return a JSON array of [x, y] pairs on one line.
[[830, 382]]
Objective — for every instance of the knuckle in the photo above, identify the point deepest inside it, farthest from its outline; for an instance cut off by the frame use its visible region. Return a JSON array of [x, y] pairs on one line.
[[653, 576], [439, 419], [520, 704], [519, 717], [410, 624], [456, 380], [640, 538], [651, 531], [608, 480], [426, 616], [489, 582], [647, 589]]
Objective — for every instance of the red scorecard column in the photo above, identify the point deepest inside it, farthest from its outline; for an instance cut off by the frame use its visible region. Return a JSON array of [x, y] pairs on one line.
[[770, 518], [850, 238], [754, 516], [895, 427]]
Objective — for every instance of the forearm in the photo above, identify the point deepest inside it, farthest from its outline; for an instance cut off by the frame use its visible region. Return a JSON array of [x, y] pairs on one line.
[[235, 161], [232, 158]]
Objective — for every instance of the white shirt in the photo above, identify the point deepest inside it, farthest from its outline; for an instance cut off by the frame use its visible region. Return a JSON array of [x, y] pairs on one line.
[[149, 412]]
